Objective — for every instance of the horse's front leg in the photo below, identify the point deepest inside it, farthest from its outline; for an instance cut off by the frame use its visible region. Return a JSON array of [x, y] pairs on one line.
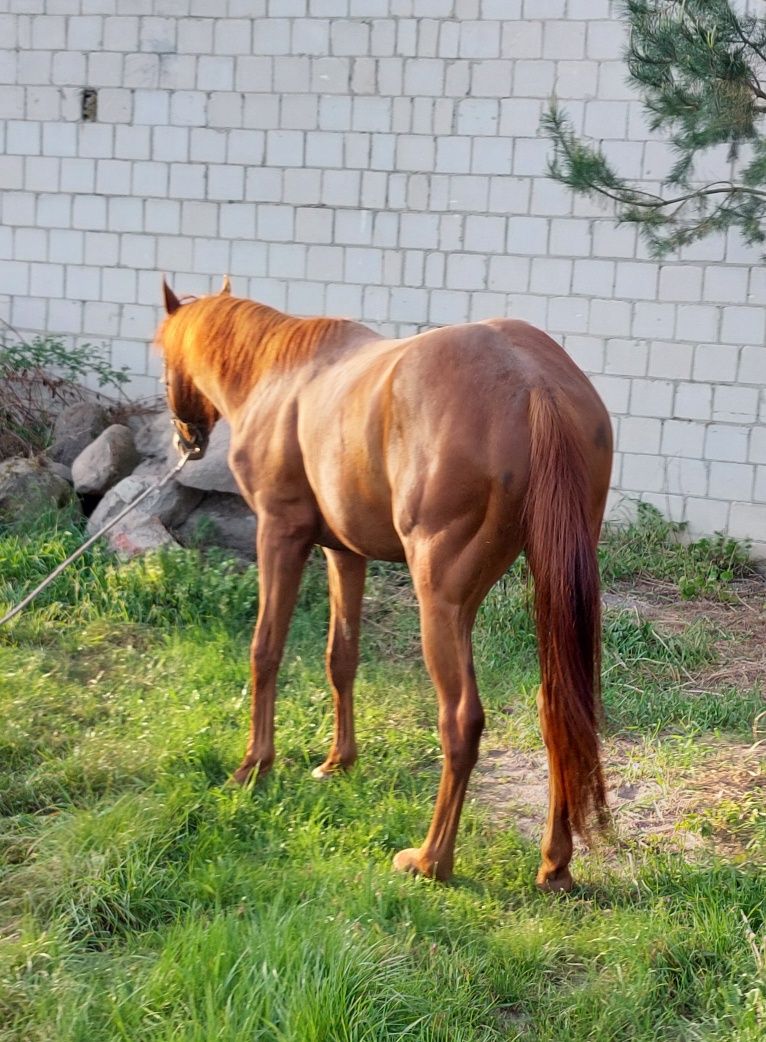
[[345, 572], [282, 553]]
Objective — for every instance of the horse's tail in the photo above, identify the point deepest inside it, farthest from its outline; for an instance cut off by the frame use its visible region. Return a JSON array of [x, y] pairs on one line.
[[562, 556]]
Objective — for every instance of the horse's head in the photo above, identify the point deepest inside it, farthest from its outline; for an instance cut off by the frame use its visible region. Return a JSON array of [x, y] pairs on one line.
[[192, 412]]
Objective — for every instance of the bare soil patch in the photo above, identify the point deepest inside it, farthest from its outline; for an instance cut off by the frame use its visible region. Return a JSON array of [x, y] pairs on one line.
[[738, 623], [653, 800], [652, 803]]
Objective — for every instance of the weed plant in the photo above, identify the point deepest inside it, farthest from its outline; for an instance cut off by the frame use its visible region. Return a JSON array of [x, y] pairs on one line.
[[143, 898]]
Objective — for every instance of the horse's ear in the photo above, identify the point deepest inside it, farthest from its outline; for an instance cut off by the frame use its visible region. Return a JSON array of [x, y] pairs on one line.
[[172, 303], [226, 287]]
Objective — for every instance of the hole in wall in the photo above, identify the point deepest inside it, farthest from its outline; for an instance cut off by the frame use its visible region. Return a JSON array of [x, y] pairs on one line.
[[89, 105]]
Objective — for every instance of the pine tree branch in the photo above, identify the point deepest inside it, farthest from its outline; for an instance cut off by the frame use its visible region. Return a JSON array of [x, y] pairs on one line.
[[701, 71]]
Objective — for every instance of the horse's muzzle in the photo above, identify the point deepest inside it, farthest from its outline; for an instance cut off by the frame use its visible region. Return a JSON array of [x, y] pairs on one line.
[[188, 438]]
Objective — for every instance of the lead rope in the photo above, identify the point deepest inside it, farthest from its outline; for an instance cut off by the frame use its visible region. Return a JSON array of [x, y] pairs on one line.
[[89, 542]]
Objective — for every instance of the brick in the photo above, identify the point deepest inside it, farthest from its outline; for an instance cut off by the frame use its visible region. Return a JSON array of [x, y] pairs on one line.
[[576, 79], [448, 307], [466, 271], [415, 152], [642, 472], [716, 362], [162, 215], [748, 521], [65, 316], [735, 404], [727, 442], [170, 144], [610, 317], [731, 481], [626, 357], [225, 109], [593, 277], [759, 492], [686, 476], [693, 401], [653, 320], [187, 108], [651, 397], [130, 142], [564, 39], [215, 73], [30, 244], [757, 453], [484, 234], [752, 368], [705, 515], [363, 265], [743, 325], [548, 275], [349, 37], [726, 284], [187, 180], [66, 246], [640, 434], [509, 273], [683, 438], [614, 390], [680, 282], [419, 230], [567, 315], [225, 182], [302, 187], [697, 322], [570, 237], [527, 235], [478, 116]]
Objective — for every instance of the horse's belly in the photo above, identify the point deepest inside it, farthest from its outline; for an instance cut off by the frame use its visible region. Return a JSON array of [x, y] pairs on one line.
[[363, 531], [355, 507]]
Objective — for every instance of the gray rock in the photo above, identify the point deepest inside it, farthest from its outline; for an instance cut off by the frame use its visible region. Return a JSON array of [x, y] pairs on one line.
[[211, 473], [152, 432], [171, 504], [75, 428], [221, 520], [131, 540], [108, 459], [62, 470], [28, 487]]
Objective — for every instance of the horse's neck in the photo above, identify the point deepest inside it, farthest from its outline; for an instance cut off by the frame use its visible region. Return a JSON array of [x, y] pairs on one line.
[[279, 344]]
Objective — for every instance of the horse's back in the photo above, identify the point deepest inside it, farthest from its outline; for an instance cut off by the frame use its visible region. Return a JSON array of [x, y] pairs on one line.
[[401, 434]]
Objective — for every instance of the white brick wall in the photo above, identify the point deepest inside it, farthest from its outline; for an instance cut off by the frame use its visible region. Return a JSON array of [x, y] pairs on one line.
[[380, 159]]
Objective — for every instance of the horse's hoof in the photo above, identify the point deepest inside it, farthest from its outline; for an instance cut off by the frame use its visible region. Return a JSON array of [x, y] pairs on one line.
[[412, 861], [558, 881], [323, 773], [248, 774]]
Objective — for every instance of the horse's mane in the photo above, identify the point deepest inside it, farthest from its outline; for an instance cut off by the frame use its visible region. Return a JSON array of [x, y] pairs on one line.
[[239, 339]]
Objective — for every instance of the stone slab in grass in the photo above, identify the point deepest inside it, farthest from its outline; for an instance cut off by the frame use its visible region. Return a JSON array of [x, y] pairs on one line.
[[29, 487]]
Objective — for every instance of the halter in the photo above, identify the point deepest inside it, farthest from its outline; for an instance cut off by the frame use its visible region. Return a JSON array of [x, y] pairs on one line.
[[192, 445]]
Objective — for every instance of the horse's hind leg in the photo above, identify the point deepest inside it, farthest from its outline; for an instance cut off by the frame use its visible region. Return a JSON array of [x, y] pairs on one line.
[[446, 632], [346, 572]]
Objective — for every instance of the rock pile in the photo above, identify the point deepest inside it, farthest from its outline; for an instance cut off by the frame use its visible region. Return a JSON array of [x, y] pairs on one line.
[[109, 464]]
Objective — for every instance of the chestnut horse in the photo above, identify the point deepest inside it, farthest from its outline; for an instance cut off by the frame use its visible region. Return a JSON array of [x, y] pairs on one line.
[[452, 450]]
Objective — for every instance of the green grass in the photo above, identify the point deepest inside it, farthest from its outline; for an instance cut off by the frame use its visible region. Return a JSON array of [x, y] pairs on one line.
[[142, 898]]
